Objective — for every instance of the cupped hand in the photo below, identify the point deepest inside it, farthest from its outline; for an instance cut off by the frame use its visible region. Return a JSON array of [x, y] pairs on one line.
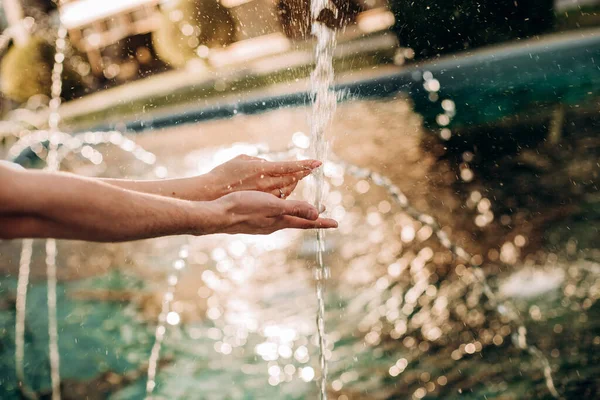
[[252, 173], [261, 213]]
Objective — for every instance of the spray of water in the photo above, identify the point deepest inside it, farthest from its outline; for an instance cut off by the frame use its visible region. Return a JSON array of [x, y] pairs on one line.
[[324, 104], [504, 308], [59, 146], [507, 309], [323, 108], [52, 164], [165, 317], [22, 283]]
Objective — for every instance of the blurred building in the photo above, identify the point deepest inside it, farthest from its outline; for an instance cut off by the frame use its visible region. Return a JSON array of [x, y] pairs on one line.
[[99, 29], [116, 34]]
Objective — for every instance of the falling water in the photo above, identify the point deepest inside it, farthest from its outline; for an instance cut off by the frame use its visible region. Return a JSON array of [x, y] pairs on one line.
[[503, 308], [23, 282], [165, 317], [69, 144], [432, 85], [323, 108], [324, 103], [52, 164], [59, 146]]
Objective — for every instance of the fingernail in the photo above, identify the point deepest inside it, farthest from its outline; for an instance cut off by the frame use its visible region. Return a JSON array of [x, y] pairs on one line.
[[322, 208], [316, 164]]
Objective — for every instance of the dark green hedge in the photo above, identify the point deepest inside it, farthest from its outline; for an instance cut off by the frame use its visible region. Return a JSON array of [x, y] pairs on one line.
[[434, 28]]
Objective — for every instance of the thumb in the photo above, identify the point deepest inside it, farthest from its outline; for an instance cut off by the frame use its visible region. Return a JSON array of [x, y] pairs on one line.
[[300, 209]]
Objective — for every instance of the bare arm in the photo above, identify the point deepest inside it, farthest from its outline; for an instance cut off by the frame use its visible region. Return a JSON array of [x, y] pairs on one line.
[[42, 204], [20, 226], [68, 206], [239, 174], [198, 188]]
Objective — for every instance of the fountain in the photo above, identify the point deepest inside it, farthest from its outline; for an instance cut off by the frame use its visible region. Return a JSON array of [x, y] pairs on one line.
[[59, 146], [323, 108], [352, 171], [52, 164], [403, 303], [165, 316]]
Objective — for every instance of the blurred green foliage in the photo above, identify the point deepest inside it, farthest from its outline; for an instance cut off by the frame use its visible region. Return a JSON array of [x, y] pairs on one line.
[[187, 24], [442, 27], [97, 338], [27, 71]]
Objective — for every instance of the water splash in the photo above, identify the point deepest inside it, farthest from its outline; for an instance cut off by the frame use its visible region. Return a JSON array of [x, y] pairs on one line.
[[503, 308], [60, 145], [507, 309], [52, 164], [51, 251], [323, 108], [21, 306], [165, 316], [82, 144]]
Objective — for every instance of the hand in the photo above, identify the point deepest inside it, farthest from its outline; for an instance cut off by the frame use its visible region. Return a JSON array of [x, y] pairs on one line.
[[252, 173], [262, 213]]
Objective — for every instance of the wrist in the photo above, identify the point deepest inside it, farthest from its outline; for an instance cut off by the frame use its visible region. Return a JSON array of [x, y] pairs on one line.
[[208, 217], [212, 187]]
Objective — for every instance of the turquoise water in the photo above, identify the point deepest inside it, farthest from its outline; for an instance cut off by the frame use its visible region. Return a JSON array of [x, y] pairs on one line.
[[247, 306], [95, 337], [405, 318]]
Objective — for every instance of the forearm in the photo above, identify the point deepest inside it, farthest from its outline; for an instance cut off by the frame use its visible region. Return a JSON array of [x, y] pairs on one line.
[[74, 207], [33, 227], [201, 189]]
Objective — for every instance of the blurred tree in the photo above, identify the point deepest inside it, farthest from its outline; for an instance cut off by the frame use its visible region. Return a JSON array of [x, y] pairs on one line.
[[187, 24], [45, 6], [27, 70], [433, 28]]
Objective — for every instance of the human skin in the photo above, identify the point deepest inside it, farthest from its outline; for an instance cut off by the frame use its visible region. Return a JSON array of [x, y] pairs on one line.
[[39, 204], [239, 174]]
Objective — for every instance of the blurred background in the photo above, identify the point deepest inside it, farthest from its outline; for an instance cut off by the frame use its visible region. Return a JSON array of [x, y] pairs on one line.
[[460, 125]]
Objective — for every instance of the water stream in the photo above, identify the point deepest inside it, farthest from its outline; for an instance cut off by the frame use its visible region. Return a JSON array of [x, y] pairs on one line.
[[52, 164], [323, 108], [503, 308], [166, 316], [60, 145]]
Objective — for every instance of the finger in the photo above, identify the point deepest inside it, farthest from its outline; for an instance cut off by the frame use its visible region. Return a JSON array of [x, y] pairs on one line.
[[294, 208], [245, 157], [271, 183], [290, 167], [286, 190], [299, 223]]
